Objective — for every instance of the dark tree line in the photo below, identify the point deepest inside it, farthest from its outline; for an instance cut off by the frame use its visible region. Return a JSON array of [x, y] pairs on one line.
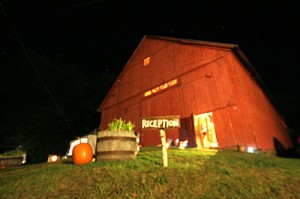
[[45, 103]]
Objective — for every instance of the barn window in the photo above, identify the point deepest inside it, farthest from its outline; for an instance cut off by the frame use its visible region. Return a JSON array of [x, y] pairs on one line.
[[147, 93], [163, 86], [172, 82], [146, 61], [155, 90], [160, 87]]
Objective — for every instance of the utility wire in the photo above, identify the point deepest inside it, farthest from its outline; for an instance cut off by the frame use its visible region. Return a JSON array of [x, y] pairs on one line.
[[36, 70]]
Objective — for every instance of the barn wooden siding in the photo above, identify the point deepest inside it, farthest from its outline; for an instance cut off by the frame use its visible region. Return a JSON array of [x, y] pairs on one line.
[[211, 78]]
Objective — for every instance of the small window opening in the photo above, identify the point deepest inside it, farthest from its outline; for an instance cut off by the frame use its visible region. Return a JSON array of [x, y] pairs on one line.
[[147, 61]]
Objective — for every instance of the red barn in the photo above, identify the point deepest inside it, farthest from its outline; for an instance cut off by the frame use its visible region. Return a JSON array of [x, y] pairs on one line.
[[213, 87]]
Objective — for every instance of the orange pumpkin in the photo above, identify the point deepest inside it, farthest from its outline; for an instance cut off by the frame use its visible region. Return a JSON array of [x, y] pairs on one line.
[[82, 153]]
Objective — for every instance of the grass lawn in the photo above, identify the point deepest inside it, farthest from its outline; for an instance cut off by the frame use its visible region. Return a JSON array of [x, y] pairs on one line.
[[192, 173]]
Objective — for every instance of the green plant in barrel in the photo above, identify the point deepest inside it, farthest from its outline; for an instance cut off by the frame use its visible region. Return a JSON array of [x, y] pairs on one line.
[[129, 126], [120, 124], [117, 142]]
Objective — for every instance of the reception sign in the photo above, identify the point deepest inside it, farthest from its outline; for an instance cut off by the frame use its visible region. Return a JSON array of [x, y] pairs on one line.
[[161, 122]]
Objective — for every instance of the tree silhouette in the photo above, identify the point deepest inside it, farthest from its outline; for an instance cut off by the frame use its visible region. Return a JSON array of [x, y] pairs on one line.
[[45, 124]]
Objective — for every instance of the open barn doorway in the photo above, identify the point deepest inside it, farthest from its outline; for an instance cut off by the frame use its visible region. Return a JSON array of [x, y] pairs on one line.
[[205, 131]]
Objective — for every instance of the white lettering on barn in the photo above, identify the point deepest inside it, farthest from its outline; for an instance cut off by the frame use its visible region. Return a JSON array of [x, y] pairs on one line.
[[161, 122]]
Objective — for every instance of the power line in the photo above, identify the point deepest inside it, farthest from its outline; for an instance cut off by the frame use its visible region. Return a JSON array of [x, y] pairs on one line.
[[36, 70]]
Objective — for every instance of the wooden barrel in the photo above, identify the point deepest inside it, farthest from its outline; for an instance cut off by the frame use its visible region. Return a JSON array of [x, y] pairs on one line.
[[116, 145]]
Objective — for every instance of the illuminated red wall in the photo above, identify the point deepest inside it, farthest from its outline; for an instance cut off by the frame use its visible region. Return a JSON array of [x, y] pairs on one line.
[[210, 79]]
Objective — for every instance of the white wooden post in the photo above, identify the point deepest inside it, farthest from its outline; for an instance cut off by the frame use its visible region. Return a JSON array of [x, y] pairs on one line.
[[161, 123], [164, 147]]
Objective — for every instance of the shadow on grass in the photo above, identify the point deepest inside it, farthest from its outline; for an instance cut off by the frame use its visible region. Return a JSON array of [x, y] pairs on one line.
[[281, 151]]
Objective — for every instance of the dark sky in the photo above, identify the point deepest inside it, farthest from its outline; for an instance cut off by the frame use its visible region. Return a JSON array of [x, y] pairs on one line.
[[100, 36]]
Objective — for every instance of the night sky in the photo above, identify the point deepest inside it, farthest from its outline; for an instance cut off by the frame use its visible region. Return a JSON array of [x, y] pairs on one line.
[[100, 36]]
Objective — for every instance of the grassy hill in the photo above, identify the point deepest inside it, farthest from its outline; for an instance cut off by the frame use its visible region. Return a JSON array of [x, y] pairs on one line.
[[192, 173]]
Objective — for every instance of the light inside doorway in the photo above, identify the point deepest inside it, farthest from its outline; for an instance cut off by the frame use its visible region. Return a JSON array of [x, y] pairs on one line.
[[205, 131]]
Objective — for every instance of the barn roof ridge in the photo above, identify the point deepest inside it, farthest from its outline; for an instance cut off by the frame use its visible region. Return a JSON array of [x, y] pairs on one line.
[[233, 47], [194, 41]]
